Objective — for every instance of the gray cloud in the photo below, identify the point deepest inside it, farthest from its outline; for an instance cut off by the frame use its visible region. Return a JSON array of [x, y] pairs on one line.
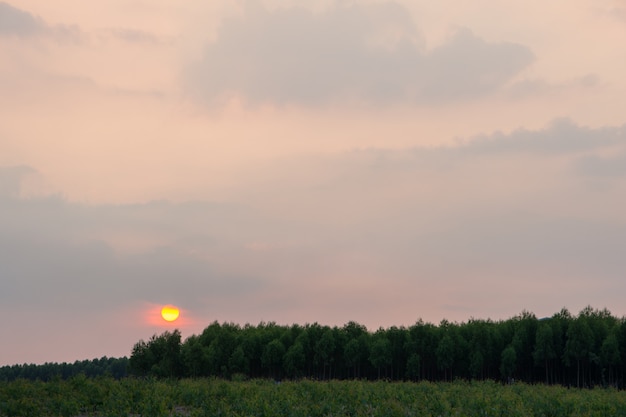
[[14, 21], [602, 166], [17, 22], [11, 178], [499, 201], [562, 136], [55, 254], [296, 56], [440, 224], [467, 66], [619, 12], [534, 87], [52, 271], [134, 36]]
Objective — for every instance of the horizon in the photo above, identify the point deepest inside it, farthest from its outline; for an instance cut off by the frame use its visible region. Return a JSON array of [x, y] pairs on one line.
[[172, 327]]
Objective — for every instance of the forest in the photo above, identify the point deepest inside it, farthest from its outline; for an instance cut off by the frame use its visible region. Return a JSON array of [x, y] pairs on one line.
[[116, 368], [586, 350]]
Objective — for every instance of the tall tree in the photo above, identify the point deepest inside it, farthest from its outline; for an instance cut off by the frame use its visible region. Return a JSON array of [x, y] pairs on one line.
[[579, 342], [610, 355], [422, 340], [523, 341], [560, 323], [324, 351], [160, 356], [413, 365], [352, 355], [272, 357], [238, 362], [544, 346], [445, 354], [381, 353], [508, 362], [293, 361]]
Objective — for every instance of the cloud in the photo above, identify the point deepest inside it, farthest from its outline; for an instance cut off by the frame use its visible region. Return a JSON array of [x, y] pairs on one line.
[[14, 21], [11, 179], [513, 206], [293, 55], [134, 36], [619, 12], [604, 166], [20, 23], [49, 245], [467, 66], [373, 228], [499, 199], [538, 87], [562, 136]]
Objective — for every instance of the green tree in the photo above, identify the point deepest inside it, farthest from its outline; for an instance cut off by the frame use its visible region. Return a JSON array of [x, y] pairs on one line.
[[610, 355], [478, 333], [422, 339], [214, 356], [477, 362], [523, 339], [293, 362], [141, 359], [397, 337], [273, 356], [445, 354], [238, 363], [544, 346], [508, 362], [559, 323], [354, 347], [413, 365], [578, 345], [324, 351], [160, 356], [381, 353], [352, 355]]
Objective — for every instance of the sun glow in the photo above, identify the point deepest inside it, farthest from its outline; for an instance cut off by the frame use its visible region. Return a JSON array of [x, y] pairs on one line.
[[170, 313]]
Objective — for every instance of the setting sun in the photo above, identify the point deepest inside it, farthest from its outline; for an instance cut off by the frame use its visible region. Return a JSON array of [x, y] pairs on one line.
[[170, 313]]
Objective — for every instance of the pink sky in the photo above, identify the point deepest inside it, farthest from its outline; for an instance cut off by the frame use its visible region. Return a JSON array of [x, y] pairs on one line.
[[261, 160]]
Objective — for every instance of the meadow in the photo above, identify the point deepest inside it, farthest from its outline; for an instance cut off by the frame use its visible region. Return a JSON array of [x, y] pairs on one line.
[[104, 396]]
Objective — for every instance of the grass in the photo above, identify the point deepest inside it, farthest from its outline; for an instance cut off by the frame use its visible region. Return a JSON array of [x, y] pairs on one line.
[[82, 396]]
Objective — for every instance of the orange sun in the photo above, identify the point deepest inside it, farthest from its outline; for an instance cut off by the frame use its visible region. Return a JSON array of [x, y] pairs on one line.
[[170, 313]]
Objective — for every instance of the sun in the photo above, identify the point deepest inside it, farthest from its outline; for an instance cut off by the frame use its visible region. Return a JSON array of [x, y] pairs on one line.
[[170, 313]]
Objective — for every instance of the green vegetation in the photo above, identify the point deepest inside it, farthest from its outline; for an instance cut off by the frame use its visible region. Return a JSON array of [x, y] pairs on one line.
[[214, 397], [587, 350], [478, 368], [584, 351], [114, 367]]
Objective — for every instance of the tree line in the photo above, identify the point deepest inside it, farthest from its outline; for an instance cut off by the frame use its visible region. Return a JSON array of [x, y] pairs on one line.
[[114, 367], [585, 350]]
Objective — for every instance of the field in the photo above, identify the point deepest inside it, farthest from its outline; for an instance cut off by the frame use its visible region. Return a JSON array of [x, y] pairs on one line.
[[81, 396]]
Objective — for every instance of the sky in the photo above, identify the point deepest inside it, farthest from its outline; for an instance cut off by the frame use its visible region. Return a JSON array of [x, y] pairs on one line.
[[297, 162]]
